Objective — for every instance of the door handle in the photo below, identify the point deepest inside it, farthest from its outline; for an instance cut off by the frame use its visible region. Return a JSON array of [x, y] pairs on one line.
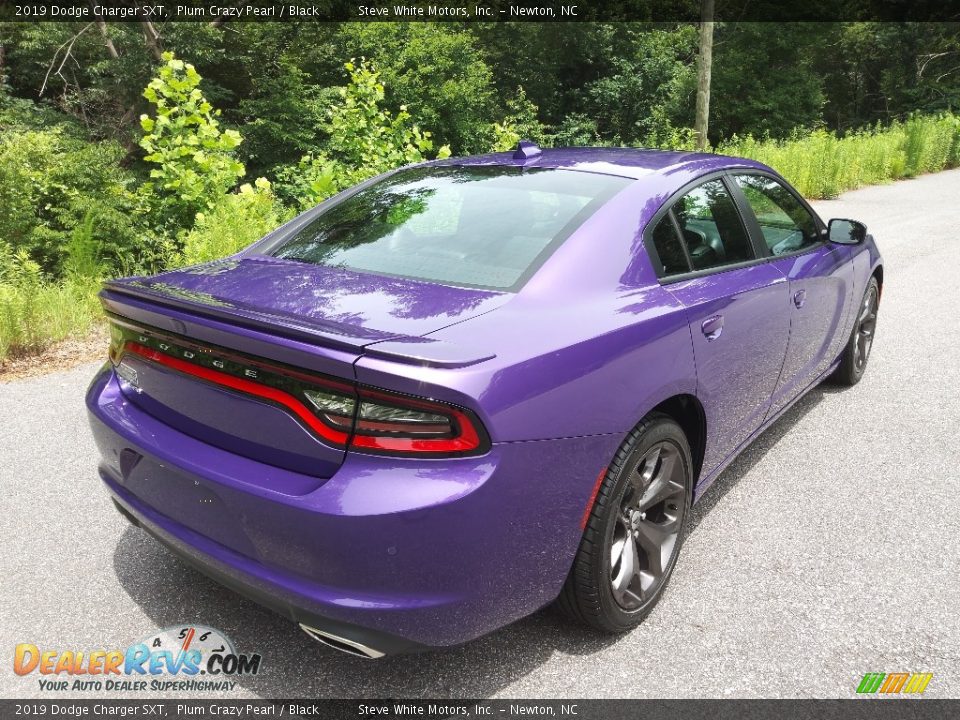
[[799, 298], [712, 327]]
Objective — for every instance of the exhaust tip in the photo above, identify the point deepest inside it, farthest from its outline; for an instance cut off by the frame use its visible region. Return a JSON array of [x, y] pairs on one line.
[[350, 647], [126, 513]]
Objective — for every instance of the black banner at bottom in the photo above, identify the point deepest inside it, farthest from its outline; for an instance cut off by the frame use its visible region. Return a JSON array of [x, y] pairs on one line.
[[892, 708]]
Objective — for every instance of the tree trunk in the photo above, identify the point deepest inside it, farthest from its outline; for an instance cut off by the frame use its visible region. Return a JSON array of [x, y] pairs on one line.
[[152, 37], [102, 27], [704, 67], [111, 48]]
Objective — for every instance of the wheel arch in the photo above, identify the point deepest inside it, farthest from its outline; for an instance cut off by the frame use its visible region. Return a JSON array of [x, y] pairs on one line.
[[687, 411], [878, 274]]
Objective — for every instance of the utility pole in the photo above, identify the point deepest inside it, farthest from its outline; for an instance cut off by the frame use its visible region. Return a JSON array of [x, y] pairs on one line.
[[704, 66]]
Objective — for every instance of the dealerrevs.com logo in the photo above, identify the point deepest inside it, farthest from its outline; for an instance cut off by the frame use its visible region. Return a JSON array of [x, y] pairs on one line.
[[182, 658]]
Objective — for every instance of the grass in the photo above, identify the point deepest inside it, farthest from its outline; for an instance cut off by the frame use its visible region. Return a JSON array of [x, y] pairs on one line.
[[34, 316], [35, 312], [822, 165]]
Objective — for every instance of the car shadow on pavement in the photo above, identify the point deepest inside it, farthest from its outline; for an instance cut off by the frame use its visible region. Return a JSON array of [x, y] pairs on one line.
[[170, 593]]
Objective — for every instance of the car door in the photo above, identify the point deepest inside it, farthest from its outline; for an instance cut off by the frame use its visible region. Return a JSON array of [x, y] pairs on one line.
[[736, 308], [820, 275]]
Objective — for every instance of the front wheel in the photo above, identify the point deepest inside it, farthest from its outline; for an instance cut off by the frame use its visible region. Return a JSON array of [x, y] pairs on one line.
[[853, 362], [634, 531]]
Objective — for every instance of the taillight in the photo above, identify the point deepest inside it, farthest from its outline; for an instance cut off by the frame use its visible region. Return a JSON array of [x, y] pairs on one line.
[[397, 424], [365, 418], [334, 408]]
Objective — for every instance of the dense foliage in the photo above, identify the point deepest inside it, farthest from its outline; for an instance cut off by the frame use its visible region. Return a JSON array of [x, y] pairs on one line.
[[193, 158], [364, 140], [127, 149]]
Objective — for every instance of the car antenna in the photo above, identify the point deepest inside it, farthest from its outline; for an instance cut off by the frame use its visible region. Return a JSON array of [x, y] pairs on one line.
[[527, 150]]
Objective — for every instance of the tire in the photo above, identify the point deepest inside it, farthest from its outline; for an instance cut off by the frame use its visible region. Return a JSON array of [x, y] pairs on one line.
[[853, 361], [611, 587]]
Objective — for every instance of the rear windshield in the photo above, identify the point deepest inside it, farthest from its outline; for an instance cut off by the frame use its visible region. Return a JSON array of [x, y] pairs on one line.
[[487, 226]]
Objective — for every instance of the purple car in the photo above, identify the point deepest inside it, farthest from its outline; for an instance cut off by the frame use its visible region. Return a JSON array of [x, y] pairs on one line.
[[467, 389]]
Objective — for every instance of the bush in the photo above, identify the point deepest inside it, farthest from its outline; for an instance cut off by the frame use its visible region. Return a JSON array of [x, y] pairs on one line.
[[52, 182], [236, 221], [308, 183], [929, 143], [577, 129], [520, 123], [368, 139], [365, 140], [84, 252], [436, 70]]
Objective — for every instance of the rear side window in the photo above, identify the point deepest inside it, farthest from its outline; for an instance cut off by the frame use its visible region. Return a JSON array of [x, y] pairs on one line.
[[673, 257], [711, 227], [478, 226], [786, 225]]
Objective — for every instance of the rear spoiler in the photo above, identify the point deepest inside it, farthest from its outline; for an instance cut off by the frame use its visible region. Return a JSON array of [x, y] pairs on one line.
[[144, 304], [428, 352], [121, 297]]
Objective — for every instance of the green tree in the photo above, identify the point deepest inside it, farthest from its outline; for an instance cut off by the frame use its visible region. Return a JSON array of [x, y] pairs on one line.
[[881, 71], [364, 139], [283, 117], [521, 123], [763, 79], [278, 81], [193, 158], [648, 92], [436, 70], [367, 138], [701, 121]]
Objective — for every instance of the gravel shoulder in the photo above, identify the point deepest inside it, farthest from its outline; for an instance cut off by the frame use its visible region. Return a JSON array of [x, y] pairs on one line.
[[61, 356]]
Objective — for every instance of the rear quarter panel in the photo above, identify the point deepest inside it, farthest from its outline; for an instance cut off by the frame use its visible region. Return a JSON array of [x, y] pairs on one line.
[[547, 380]]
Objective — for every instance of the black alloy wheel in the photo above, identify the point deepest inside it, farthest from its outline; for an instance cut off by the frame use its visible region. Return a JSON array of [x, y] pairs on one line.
[[853, 361], [634, 531]]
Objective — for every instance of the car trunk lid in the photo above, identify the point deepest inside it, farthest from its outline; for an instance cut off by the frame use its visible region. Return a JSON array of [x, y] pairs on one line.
[[331, 305], [201, 342]]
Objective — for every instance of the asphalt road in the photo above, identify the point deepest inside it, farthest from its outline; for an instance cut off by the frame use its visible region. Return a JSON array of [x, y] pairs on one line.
[[831, 548]]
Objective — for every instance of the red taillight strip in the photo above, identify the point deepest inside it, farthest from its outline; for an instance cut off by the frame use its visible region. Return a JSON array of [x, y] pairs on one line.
[[264, 391], [412, 428], [468, 439]]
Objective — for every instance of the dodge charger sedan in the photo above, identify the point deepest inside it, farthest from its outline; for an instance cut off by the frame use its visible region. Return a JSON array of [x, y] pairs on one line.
[[466, 389]]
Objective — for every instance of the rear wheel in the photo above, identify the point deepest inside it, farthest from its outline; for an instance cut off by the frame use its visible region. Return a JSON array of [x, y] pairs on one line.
[[853, 362], [634, 531]]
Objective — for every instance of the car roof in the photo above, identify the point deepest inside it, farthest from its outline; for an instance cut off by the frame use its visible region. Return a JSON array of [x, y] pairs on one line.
[[635, 163]]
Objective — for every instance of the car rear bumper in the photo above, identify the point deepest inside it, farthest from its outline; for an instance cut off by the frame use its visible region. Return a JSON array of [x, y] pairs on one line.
[[396, 554], [247, 584]]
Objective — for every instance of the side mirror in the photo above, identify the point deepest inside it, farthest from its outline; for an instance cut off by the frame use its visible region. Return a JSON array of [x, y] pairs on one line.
[[846, 232]]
